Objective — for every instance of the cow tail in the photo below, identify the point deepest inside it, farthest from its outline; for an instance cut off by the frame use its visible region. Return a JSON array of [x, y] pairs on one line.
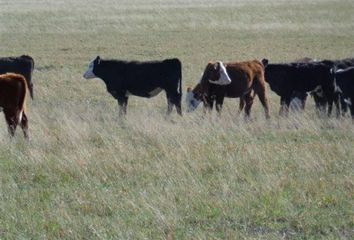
[[178, 67], [22, 100], [180, 80]]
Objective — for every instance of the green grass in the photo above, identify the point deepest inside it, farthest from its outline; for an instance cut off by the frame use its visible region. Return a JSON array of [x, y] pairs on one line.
[[85, 174]]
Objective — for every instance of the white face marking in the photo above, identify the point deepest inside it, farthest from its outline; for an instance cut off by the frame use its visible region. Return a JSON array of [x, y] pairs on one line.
[[89, 72], [224, 77], [154, 92], [192, 102]]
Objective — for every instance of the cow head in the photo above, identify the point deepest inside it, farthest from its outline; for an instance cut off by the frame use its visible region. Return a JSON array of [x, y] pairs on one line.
[[269, 73], [194, 98], [91, 68], [214, 73], [217, 74]]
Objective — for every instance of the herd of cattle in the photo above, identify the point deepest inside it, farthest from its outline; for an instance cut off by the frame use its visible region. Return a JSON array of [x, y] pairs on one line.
[[329, 82]]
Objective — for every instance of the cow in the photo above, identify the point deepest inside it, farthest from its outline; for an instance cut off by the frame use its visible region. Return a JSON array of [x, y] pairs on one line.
[[232, 80], [339, 64], [23, 65], [13, 91], [320, 99], [344, 81], [335, 64], [288, 79], [143, 79]]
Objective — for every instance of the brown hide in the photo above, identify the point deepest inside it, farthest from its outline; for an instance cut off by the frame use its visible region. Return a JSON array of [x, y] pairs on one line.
[[247, 79], [13, 91]]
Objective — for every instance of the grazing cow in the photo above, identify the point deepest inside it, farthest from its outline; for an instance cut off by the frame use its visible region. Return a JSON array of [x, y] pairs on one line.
[[232, 79], [289, 79], [143, 79], [345, 86], [22, 65], [13, 90]]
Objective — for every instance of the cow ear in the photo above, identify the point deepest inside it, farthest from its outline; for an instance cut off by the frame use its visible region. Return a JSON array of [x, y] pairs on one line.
[[98, 59], [209, 65], [265, 62]]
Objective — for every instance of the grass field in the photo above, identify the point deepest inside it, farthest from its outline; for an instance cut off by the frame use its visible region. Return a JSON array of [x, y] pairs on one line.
[[85, 174]]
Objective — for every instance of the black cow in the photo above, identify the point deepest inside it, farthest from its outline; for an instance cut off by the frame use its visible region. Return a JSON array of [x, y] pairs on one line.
[[292, 78], [143, 79], [345, 86], [340, 64], [320, 99], [23, 65]]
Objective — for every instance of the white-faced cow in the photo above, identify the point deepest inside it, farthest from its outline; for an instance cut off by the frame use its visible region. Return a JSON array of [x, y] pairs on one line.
[[21, 65], [233, 80], [344, 80], [143, 79]]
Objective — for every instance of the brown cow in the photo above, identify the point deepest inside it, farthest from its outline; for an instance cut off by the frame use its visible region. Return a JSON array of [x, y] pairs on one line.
[[13, 91], [233, 80]]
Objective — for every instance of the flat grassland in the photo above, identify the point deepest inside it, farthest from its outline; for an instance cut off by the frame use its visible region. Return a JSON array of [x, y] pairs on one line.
[[85, 174]]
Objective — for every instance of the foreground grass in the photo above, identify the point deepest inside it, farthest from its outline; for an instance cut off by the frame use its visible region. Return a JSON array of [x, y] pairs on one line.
[[148, 176], [88, 175]]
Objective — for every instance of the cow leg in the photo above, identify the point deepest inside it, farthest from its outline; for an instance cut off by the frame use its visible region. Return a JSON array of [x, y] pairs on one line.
[[122, 102], [333, 98], [303, 98], [284, 106], [337, 105], [169, 106], [169, 103], [174, 99], [178, 104], [219, 102], [330, 106], [351, 106], [241, 105], [24, 125], [344, 106], [320, 102], [11, 120], [249, 102], [262, 95], [208, 105]]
